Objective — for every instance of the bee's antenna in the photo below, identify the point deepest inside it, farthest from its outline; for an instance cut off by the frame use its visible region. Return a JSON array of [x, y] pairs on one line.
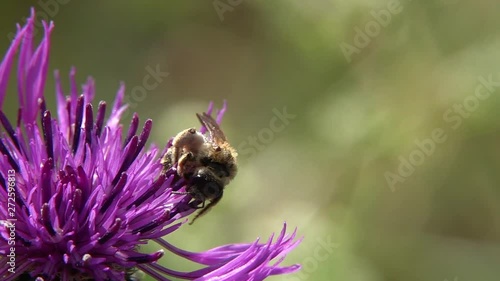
[[207, 208]]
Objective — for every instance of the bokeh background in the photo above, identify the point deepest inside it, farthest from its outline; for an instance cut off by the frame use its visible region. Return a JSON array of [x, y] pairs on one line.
[[361, 105]]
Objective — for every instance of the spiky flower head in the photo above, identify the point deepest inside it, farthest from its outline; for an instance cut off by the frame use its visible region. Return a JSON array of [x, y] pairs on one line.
[[77, 199]]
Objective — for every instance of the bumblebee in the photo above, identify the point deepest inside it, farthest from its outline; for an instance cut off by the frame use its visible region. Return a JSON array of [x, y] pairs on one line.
[[207, 163]]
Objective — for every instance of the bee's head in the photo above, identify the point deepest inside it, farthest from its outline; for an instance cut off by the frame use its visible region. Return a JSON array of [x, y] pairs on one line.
[[205, 184], [223, 169]]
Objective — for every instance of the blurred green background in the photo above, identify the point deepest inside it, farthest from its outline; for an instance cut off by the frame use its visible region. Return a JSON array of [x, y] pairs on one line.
[[368, 82]]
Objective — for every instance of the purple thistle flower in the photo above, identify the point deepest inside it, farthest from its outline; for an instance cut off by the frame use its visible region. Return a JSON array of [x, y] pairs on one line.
[[77, 200]]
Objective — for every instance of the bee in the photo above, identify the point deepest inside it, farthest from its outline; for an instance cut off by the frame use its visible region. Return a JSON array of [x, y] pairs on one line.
[[207, 163]]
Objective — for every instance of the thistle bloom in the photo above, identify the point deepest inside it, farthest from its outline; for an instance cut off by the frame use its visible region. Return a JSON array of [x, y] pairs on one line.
[[77, 199]]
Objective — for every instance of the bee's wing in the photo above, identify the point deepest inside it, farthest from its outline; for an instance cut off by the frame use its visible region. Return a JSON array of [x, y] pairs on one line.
[[213, 128]]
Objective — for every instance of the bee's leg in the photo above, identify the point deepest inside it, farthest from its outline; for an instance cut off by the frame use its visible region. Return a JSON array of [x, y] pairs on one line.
[[193, 191], [182, 165], [174, 154], [199, 207], [166, 161], [180, 193], [187, 165], [184, 141], [206, 209], [191, 203]]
